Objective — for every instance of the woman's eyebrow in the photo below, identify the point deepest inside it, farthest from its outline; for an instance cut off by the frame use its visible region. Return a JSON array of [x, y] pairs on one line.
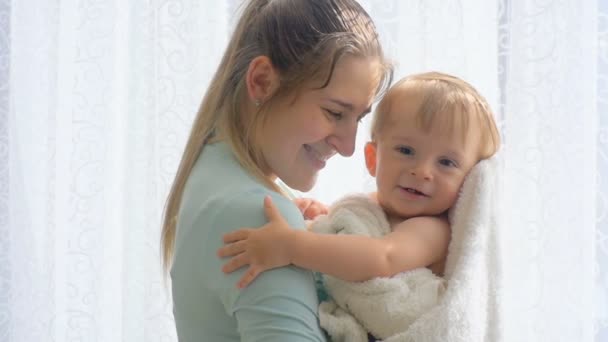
[[349, 106]]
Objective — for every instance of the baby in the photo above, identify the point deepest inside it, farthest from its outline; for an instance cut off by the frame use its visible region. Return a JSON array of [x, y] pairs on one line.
[[428, 132]]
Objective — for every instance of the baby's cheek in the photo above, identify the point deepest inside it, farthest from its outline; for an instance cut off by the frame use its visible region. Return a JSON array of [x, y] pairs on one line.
[[452, 191]]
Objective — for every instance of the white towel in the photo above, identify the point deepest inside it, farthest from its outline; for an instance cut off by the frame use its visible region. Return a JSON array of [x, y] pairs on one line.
[[471, 309], [467, 311], [384, 307]]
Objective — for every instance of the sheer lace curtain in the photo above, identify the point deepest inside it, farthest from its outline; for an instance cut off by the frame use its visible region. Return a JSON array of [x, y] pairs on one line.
[[96, 99]]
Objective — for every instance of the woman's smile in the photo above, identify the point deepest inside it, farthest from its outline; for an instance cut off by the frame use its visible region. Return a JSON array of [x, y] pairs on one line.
[[317, 159]]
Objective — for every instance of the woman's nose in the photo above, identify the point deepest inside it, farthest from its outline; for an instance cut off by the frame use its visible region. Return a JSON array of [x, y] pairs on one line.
[[343, 139]]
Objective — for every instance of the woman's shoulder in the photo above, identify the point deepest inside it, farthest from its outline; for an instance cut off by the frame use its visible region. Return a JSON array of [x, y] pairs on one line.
[[217, 181], [247, 206]]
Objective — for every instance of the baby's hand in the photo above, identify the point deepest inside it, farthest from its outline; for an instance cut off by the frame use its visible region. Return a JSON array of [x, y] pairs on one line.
[[310, 208], [262, 249]]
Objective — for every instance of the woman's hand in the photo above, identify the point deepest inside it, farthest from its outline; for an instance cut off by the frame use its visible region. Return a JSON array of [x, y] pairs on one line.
[[310, 208], [262, 249]]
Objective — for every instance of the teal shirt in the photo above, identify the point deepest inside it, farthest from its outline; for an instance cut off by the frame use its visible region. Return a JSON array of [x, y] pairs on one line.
[[280, 305]]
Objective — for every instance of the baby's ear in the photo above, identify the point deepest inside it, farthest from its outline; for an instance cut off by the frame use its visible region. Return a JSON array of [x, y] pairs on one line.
[[370, 158]]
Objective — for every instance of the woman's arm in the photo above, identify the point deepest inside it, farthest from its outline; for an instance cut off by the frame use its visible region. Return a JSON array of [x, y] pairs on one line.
[[282, 304], [417, 242]]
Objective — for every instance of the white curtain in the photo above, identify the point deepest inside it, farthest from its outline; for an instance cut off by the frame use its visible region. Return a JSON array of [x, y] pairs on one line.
[[96, 100]]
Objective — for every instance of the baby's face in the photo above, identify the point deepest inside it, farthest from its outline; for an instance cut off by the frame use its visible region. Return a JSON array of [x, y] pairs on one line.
[[420, 173]]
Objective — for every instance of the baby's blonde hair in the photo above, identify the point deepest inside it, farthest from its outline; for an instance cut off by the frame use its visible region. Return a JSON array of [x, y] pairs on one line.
[[445, 100], [304, 40]]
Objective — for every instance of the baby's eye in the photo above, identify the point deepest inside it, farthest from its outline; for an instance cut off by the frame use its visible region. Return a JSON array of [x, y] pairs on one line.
[[405, 150], [448, 163], [336, 115]]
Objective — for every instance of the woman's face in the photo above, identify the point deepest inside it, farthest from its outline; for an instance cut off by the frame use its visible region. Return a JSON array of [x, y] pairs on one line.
[[301, 133]]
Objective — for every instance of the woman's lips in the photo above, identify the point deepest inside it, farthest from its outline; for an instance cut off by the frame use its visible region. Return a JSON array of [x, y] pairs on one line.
[[318, 160]]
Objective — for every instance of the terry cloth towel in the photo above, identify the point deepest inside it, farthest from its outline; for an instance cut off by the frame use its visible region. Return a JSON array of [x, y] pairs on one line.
[[417, 306]]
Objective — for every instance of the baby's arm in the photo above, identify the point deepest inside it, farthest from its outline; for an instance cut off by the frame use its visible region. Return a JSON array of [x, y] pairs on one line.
[[417, 242]]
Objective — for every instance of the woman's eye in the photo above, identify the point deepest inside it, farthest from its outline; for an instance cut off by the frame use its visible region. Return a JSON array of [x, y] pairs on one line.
[[336, 115], [405, 150], [447, 162]]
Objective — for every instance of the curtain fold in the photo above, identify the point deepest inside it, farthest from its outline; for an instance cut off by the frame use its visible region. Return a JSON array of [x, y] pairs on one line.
[[551, 122], [96, 102], [5, 280], [601, 236], [101, 98]]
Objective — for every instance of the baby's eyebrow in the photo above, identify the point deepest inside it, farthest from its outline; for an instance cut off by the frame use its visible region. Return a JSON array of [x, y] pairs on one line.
[[455, 155], [402, 139]]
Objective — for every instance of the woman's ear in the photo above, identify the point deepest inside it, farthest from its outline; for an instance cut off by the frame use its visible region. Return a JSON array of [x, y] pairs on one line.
[[370, 158], [262, 79]]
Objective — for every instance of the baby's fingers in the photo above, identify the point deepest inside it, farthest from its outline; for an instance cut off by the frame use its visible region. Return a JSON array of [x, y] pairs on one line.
[[235, 263], [302, 203], [248, 277], [315, 210], [232, 249]]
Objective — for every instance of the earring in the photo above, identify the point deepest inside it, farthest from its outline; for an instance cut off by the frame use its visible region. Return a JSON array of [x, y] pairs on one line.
[[257, 102]]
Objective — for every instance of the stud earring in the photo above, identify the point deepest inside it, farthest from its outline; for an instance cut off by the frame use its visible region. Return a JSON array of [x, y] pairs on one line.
[[257, 102]]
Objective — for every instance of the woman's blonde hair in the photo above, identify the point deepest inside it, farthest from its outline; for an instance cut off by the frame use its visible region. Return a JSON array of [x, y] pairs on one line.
[[444, 99], [304, 40]]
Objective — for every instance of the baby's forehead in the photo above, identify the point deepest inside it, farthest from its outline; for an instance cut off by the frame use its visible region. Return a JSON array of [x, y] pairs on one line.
[[428, 110], [403, 96], [400, 106], [450, 122]]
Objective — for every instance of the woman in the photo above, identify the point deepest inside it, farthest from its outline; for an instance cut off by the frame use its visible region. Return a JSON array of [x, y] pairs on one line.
[[295, 80]]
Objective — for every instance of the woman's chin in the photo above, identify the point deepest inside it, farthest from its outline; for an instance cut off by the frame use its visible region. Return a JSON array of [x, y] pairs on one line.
[[302, 184]]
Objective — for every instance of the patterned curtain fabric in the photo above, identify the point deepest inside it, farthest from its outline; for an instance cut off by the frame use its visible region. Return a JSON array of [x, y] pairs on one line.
[[601, 140], [97, 98]]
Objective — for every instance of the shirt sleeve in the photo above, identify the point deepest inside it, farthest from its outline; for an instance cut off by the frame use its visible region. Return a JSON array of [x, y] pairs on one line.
[[280, 304]]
